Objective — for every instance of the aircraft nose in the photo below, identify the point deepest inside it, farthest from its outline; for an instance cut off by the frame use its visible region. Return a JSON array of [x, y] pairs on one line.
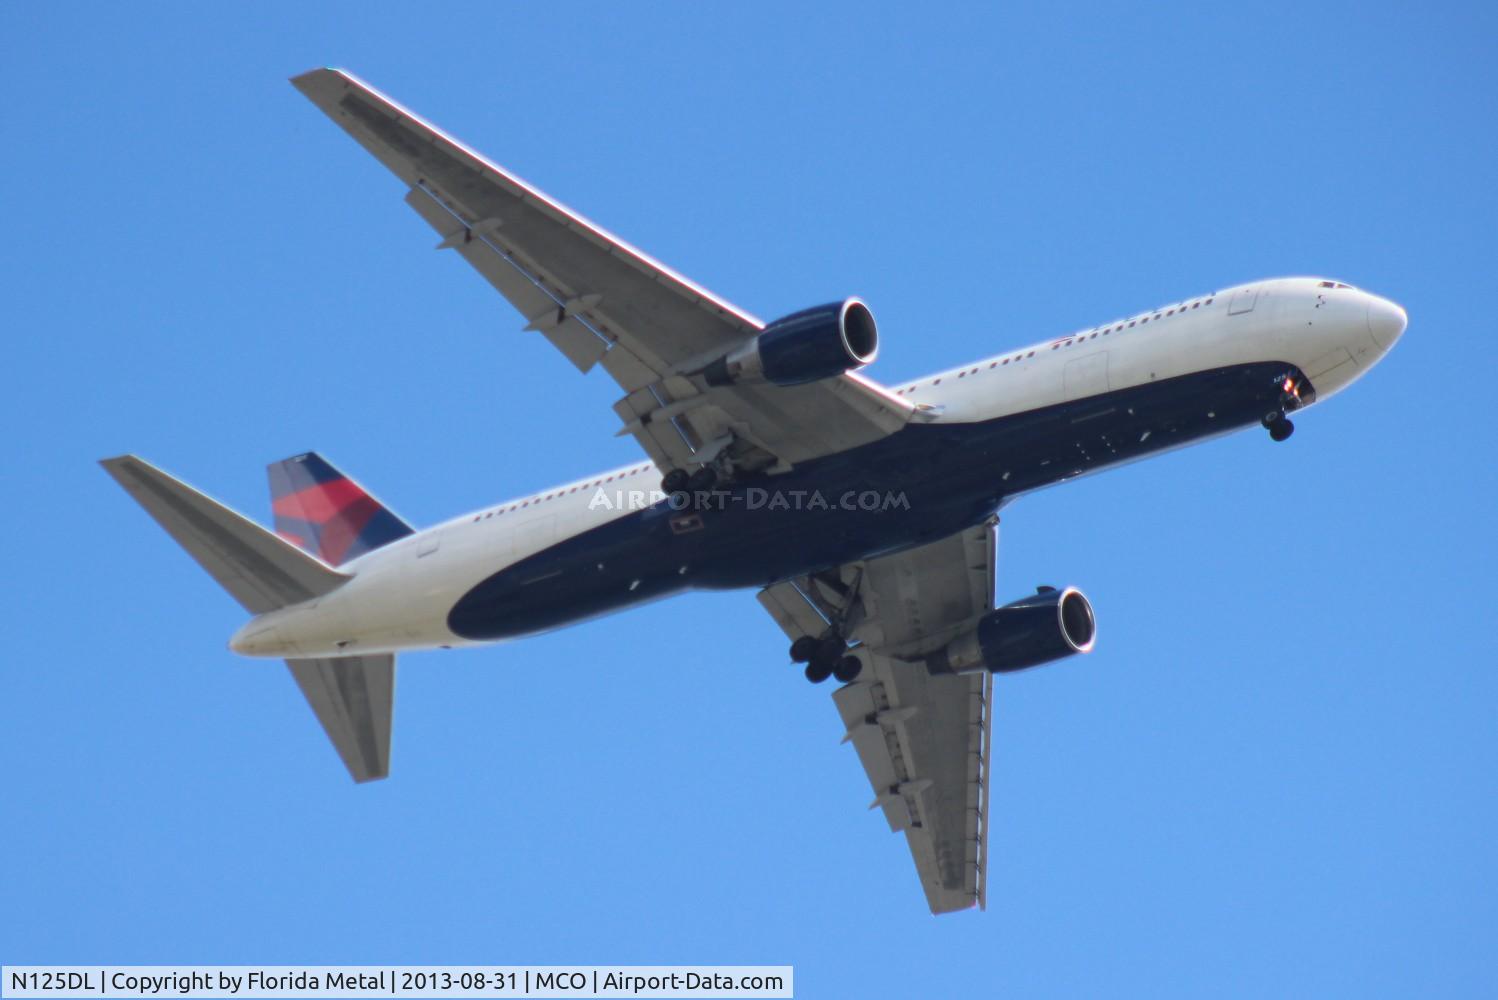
[[1386, 321]]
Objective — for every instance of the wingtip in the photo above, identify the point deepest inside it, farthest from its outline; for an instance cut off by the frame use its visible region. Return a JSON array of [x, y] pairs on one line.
[[305, 82]]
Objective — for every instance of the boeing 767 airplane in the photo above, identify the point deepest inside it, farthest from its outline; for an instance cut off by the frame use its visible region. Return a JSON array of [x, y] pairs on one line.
[[864, 515]]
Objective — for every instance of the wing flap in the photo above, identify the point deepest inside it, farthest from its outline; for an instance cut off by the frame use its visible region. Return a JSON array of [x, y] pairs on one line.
[[802, 422], [916, 601], [791, 611], [925, 757], [577, 342]]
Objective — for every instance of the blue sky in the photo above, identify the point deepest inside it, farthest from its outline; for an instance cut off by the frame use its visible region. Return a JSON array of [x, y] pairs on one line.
[[1275, 775]]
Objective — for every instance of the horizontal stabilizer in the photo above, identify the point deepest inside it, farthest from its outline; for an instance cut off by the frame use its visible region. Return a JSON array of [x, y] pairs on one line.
[[261, 571], [354, 698]]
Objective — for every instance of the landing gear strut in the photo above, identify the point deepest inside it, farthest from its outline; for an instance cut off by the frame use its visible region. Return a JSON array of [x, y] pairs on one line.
[[1277, 422]]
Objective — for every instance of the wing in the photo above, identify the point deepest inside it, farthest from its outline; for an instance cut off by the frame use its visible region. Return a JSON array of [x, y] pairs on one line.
[[599, 300], [923, 738]]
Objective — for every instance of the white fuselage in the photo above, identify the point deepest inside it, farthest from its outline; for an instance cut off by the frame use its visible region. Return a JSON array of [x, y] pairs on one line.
[[399, 596]]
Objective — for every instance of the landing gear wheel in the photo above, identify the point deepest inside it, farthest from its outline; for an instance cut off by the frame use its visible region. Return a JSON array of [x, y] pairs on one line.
[[703, 479], [848, 669], [818, 671], [675, 481], [826, 655], [1278, 425], [804, 649], [830, 648]]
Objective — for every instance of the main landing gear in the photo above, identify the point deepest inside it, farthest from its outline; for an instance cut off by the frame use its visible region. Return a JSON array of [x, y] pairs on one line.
[[681, 485], [826, 657]]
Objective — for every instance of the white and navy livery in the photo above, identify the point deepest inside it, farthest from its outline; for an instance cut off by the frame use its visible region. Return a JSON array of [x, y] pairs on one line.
[[866, 516]]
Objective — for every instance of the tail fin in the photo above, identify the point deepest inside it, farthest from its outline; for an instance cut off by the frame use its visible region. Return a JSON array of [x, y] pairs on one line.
[[327, 513], [261, 571]]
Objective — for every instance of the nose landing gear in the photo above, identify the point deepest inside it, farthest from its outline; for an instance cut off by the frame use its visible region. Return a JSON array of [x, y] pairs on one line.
[[1278, 425], [1277, 422]]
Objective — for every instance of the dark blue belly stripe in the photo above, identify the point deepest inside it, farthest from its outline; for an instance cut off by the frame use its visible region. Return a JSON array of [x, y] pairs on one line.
[[950, 475]]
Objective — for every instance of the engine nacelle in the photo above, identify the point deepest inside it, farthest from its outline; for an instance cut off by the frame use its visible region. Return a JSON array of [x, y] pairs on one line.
[[1034, 630], [806, 346]]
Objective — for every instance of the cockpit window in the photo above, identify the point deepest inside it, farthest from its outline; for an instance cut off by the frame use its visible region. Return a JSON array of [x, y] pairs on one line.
[[1333, 284]]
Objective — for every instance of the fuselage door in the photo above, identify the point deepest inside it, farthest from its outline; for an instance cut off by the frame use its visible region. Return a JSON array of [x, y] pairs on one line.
[[1243, 300], [1086, 376], [428, 543]]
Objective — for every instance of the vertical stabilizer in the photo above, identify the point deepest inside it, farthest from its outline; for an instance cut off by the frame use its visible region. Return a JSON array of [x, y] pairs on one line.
[[325, 512]]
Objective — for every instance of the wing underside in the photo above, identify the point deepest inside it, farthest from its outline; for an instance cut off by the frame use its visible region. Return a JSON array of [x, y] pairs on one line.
[[602, 302], [923, 742], [923, 739]]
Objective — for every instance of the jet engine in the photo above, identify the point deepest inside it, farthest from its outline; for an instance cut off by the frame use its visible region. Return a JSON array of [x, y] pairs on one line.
[[806, 346], [1037, 629]]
